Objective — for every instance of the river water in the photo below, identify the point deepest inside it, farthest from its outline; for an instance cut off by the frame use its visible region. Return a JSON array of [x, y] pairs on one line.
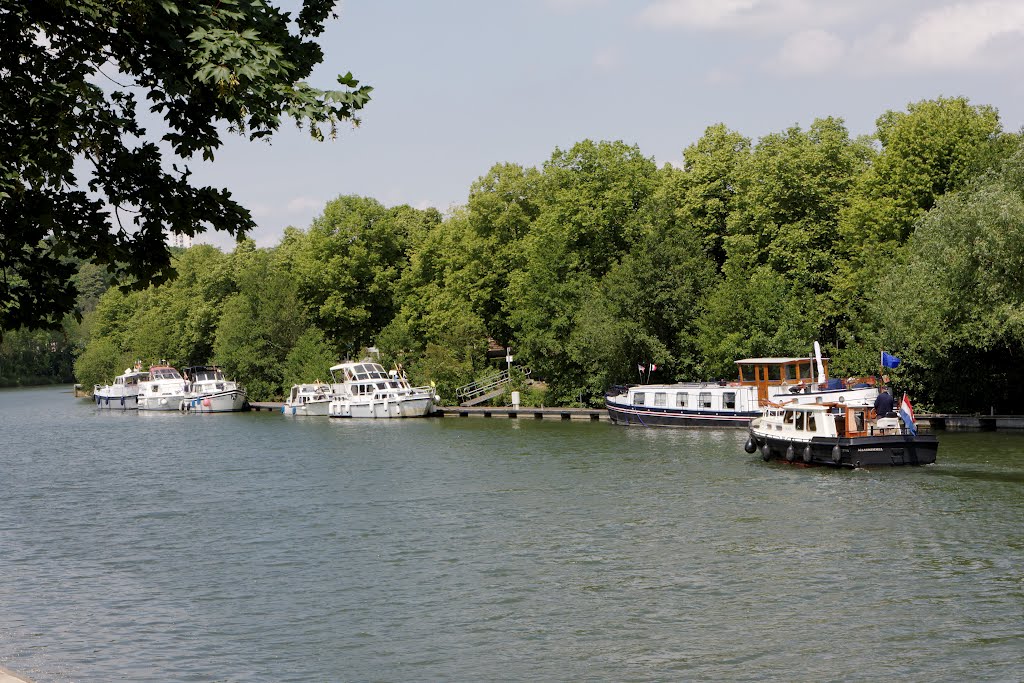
[[259, 547]]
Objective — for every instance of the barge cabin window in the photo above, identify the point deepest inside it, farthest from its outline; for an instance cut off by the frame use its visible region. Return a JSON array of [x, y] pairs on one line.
[[681, 399], [638, 398], [659, 399], [704, 399], [729, 400]]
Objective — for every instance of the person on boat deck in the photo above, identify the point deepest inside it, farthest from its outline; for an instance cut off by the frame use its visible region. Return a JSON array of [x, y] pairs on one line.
[[883, 403]]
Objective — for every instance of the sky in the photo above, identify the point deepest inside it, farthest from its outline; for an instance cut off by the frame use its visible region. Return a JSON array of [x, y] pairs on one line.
[[462, 85]]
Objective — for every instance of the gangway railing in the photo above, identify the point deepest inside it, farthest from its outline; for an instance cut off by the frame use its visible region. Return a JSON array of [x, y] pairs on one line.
[[487, 384]]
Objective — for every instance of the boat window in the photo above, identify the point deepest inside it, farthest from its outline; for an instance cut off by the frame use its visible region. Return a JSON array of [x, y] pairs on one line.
[[729, 400], [681, 399], [704, 399], [747, 373], [805, 371], [798, 421], [858, 418], [382, 385], [774, 372], [787, 417], [811, 426], [659, 399], [791, 371], [638, 398]]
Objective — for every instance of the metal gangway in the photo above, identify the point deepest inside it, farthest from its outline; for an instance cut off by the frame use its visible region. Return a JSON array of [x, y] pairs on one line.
[[487, 388]]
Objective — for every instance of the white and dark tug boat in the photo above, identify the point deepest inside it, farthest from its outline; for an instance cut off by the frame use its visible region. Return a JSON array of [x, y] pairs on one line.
[[723, 404], [364, 389], [123, 393], [208, 391], [840, 435]]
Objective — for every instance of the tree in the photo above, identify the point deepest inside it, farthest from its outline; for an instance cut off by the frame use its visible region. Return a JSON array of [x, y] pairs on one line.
[[955, 309], [349, 263], [203, 67]]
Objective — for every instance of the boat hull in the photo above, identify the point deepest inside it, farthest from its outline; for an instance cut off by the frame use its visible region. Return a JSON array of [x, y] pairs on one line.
[[860, 451], [104, 402], [673, 417], [169, 402], [408, 407], [308, 409], [231, 401]]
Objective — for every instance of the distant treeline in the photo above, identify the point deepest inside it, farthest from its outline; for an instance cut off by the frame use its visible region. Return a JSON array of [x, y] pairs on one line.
[[911, 241]]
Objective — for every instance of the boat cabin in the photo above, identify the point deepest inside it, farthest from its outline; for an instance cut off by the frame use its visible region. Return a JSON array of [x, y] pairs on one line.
[[130, 378], [806, 421], [765, 372], [204, 373]]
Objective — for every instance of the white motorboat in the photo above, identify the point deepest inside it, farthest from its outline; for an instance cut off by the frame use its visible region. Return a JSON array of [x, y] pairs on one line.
[[308, 399], [163, 390], [208, 391], [123, 393], [760, 381], [364, 389]]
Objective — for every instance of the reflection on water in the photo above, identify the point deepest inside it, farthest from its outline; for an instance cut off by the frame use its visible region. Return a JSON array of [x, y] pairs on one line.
[[257, 547]]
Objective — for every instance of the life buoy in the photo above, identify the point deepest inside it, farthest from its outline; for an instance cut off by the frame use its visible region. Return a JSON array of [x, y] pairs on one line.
[[790, 453], [807, 453]]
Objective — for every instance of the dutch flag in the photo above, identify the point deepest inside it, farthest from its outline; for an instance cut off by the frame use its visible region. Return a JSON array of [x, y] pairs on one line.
[[907, 415]]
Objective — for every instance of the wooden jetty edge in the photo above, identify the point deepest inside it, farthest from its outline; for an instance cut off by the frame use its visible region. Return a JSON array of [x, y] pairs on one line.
[[510, 412], [938, 422]]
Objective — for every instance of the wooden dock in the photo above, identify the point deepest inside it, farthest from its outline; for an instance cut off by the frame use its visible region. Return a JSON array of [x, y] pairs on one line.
[[936, 422], [512, 413], [507, 412]]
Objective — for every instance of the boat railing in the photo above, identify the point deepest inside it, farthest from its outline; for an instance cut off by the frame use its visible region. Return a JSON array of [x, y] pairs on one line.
[[487, 384]]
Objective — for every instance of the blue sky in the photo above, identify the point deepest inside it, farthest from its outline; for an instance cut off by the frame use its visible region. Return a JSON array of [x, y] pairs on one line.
[[460, 85]]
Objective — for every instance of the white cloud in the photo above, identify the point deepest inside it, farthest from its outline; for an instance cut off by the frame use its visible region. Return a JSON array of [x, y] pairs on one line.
[[762, 16], [963, 35], [607, 59], [305, 205], [567, 6], [810, 52]]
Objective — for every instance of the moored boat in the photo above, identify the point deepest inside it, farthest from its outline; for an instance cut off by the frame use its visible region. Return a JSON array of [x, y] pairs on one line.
[[364, 389], [308, 399], [760, 381], [163, 390], [840, 435], [208, 391], [122, 393]]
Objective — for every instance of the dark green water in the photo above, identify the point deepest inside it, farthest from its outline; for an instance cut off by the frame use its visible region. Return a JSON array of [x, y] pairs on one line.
[[255, 547]]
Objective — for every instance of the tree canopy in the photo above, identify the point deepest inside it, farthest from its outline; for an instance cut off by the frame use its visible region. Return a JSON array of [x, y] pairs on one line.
[[79, 174], [597, 261]]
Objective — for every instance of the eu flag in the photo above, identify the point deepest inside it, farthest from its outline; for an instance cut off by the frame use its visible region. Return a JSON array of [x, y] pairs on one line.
[[889, 360]]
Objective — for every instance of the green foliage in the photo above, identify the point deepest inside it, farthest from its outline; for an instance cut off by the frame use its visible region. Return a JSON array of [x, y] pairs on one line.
[[204, 67], [309, 360], [957, 304], [100, 362], [259, 325]]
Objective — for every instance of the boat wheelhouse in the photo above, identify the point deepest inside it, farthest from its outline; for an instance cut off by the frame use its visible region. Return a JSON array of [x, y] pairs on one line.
[[838, 434], [163, 390], [720, 404], [123, 393], [365, 389], [308, 399], [208, 391]]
